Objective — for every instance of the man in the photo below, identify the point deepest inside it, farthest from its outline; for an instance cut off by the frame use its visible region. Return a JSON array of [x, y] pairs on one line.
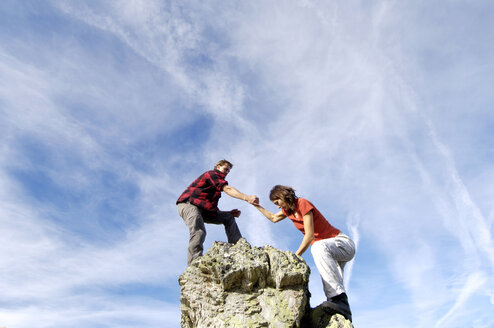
[[199, 204]]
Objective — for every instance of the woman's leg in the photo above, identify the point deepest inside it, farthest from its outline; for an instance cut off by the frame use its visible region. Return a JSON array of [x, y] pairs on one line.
[[330, 256]]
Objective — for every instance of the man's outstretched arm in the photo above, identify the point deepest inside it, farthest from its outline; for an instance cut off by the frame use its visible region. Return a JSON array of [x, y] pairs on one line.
[[232, 192]]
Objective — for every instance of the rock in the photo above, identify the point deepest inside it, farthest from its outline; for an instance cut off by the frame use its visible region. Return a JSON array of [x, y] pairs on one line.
[[321, 317], [237, 285]]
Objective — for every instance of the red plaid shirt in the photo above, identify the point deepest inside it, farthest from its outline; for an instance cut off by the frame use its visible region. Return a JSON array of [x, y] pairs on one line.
[[205, 191]]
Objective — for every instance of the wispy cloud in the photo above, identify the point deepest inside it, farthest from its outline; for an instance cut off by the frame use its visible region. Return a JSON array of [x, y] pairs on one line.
[[166, 35], [110, 109], [474, 281]]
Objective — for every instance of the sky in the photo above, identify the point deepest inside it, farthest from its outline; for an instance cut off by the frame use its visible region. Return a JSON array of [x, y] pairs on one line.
[[378, 112]]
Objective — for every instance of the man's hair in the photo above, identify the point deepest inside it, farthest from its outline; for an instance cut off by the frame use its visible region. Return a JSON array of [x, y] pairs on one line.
[[223, 162], [286, 194]]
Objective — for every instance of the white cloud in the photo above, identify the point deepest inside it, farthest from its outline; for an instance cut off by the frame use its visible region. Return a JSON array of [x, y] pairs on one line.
[[474, 282], [164, 34], [83, 310], [323, 97]]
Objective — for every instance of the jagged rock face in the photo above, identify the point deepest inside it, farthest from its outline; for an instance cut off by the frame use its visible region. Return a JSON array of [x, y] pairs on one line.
[[244, 286]]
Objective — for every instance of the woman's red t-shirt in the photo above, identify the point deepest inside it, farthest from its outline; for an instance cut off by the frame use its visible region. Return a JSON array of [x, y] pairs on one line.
[[322, 228]]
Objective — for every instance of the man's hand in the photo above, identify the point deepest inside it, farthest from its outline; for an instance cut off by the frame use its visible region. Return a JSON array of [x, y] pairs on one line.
[[236, 213], [253, 199], [232, 192]]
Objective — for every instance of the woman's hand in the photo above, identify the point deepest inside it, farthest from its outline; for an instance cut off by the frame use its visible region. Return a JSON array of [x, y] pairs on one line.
[[252, 199]]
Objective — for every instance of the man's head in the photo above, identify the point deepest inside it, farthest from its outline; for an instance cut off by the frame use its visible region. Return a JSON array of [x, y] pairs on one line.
[[223, 166]]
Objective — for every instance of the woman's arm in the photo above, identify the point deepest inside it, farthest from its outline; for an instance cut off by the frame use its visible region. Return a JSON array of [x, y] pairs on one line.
[[270, 216], [309, 233]]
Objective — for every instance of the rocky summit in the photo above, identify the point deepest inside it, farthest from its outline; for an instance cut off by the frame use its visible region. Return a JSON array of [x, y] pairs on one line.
[[237, 285]]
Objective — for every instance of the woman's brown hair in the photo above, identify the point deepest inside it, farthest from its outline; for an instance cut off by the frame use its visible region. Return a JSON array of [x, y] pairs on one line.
[[286, 194]]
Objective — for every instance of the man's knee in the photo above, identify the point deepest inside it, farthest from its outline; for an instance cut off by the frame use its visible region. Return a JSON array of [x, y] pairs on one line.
[[201, 235], [225, 218]]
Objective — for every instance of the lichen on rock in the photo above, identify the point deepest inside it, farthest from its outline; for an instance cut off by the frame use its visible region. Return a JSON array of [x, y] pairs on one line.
[[237, 285]]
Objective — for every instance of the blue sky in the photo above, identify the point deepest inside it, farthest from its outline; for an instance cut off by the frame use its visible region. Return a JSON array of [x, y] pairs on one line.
[[380, 113]]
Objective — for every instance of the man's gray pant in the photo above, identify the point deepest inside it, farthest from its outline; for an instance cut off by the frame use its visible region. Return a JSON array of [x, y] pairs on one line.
[[194, 218]]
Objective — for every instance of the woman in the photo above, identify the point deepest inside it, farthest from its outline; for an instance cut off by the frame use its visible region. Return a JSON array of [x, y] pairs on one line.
[[331, 249]]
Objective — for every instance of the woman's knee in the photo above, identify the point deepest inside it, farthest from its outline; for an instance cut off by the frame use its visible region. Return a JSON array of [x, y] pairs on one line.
[[344, 249]]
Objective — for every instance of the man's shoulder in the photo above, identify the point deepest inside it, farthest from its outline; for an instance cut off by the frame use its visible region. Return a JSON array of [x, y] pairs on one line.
[[214, 177], [216, 174], [205, 175]]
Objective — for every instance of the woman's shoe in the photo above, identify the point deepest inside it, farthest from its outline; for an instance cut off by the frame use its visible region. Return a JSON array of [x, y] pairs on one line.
[[339, 304]]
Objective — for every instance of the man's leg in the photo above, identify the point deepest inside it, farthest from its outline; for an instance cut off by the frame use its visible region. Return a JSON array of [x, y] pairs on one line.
[[193, 219], [228, 220]]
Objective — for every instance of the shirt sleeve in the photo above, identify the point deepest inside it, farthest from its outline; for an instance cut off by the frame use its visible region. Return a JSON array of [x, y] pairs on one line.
[[305, 206]]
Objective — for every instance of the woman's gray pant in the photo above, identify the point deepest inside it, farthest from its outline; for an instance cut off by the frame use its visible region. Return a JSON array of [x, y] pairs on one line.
[[330, 256], [194, 218]]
